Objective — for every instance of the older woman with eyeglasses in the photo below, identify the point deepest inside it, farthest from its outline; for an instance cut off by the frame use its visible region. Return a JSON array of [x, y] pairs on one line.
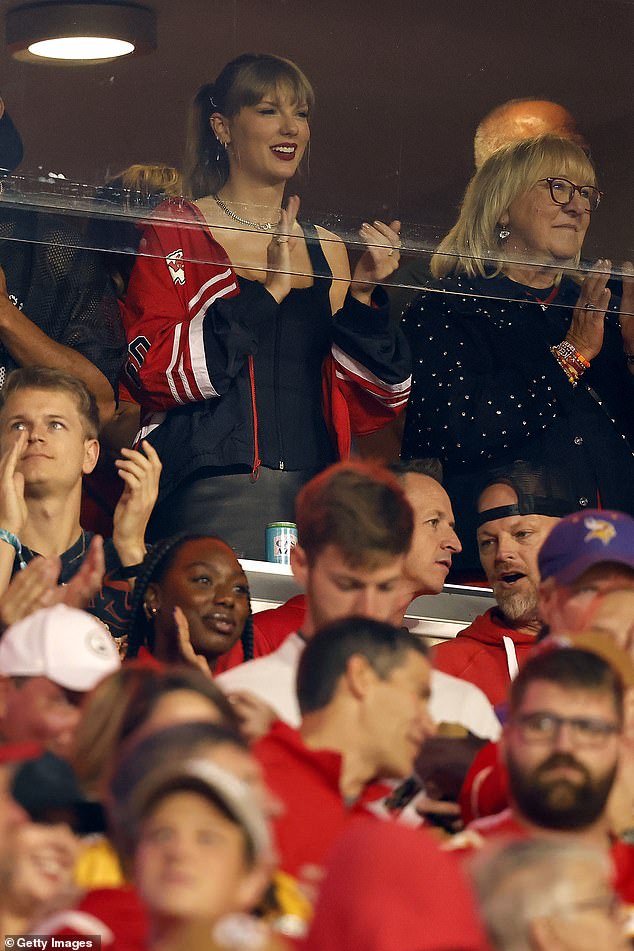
[[516, 355]]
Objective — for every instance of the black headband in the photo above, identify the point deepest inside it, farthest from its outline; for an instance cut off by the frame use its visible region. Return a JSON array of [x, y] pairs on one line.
[[527, 505]]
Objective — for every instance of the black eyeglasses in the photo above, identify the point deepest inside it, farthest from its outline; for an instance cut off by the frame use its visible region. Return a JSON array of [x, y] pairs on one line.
[[562, 192], [544, 727]]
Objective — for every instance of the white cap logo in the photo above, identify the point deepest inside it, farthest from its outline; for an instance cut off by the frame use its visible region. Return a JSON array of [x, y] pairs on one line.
[[599, 528], [98, 642]]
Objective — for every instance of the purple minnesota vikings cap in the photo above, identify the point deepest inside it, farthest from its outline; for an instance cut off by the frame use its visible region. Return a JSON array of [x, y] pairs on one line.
[[584, 539]]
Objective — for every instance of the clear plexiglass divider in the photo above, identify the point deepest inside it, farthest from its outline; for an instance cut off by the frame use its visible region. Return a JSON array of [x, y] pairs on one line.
[[111, 219]]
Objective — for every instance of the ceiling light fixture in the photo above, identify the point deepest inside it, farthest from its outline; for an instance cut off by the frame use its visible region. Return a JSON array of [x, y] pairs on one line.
[[79, 31]]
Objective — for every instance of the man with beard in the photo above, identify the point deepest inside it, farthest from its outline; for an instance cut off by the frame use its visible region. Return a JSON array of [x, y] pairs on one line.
[[586, 566], [562, 745], [517, 509]]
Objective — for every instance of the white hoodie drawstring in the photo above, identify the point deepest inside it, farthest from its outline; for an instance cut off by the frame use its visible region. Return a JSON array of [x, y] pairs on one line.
[[511, 657]]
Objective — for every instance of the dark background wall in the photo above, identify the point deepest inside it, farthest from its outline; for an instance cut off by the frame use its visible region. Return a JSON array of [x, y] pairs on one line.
[[401, 86]]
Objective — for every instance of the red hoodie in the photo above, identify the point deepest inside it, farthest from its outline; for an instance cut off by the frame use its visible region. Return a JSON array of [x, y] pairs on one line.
[[488, 653]]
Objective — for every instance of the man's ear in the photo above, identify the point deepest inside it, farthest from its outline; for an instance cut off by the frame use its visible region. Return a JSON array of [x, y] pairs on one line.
[[91, 455], [359, 676], [299, 565]]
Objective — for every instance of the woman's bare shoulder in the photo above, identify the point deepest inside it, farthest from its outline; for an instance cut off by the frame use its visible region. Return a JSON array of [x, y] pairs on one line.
[[326, 235], [336, 253]]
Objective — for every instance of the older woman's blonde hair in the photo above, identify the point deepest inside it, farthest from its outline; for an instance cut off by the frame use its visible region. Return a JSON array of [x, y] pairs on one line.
[[473, 246]]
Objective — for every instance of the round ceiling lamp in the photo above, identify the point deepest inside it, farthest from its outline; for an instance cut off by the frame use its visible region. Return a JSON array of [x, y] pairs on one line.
[[79, 31]]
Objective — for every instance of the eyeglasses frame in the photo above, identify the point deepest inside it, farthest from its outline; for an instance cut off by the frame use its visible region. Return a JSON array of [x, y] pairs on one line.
[[575, 188], [610, 729]]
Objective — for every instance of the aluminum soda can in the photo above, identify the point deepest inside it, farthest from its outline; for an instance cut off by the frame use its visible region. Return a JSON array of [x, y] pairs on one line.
[[280, 538]]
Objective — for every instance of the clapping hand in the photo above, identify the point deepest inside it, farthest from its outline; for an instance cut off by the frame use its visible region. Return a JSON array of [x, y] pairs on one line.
[[588, 318], [86, 582], [13, 510], [36, 586], [278, 253], [380, 259], [141, 472]]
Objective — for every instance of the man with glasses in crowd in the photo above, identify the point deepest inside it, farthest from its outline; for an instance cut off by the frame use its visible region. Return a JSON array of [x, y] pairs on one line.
[[562, 745]]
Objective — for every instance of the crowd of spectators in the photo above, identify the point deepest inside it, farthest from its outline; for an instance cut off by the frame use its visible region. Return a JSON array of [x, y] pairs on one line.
[[179, 772]]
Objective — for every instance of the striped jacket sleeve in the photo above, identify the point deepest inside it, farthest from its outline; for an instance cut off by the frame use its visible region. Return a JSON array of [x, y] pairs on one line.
[[189, 327], [372, 363]]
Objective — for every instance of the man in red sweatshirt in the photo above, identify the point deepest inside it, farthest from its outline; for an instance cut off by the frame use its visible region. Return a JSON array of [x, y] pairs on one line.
[[363, 687], [515, 515]]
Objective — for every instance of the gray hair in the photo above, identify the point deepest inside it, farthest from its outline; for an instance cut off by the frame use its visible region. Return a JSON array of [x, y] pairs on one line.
[[521, 881]]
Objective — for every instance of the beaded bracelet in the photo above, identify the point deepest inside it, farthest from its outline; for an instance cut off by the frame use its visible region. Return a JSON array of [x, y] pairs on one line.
[[570, 360], [570, 371], [14, 541]]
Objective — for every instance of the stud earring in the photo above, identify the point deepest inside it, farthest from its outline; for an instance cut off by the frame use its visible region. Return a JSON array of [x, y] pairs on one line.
[[504, 232]]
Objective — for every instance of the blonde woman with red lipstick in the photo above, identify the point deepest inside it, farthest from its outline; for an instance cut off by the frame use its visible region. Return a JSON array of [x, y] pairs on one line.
[[254, 354]]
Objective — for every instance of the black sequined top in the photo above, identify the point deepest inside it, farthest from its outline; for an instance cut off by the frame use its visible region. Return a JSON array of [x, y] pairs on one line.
[[487, 390]]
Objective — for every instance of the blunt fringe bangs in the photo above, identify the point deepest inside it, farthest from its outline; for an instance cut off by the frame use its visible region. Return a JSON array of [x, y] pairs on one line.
[[473, 245], [252, 77], [244, 81]]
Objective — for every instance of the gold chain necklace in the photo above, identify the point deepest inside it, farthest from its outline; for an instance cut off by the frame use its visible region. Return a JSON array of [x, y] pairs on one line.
[[266, 226]]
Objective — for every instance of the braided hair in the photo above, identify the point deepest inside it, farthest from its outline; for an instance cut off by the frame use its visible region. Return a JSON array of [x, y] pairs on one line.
[[155, 566]]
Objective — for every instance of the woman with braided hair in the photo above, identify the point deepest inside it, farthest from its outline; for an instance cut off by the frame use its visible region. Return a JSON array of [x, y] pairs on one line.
[[201, 576]]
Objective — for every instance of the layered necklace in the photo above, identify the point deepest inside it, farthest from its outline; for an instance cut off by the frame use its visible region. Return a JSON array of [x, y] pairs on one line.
[[259, 226]]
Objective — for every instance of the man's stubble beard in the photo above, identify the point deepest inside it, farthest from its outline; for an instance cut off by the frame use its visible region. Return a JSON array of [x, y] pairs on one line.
[[518, 607]]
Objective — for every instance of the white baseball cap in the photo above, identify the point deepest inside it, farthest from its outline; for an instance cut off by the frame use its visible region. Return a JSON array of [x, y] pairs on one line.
[[208, 779], [68, 646]]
